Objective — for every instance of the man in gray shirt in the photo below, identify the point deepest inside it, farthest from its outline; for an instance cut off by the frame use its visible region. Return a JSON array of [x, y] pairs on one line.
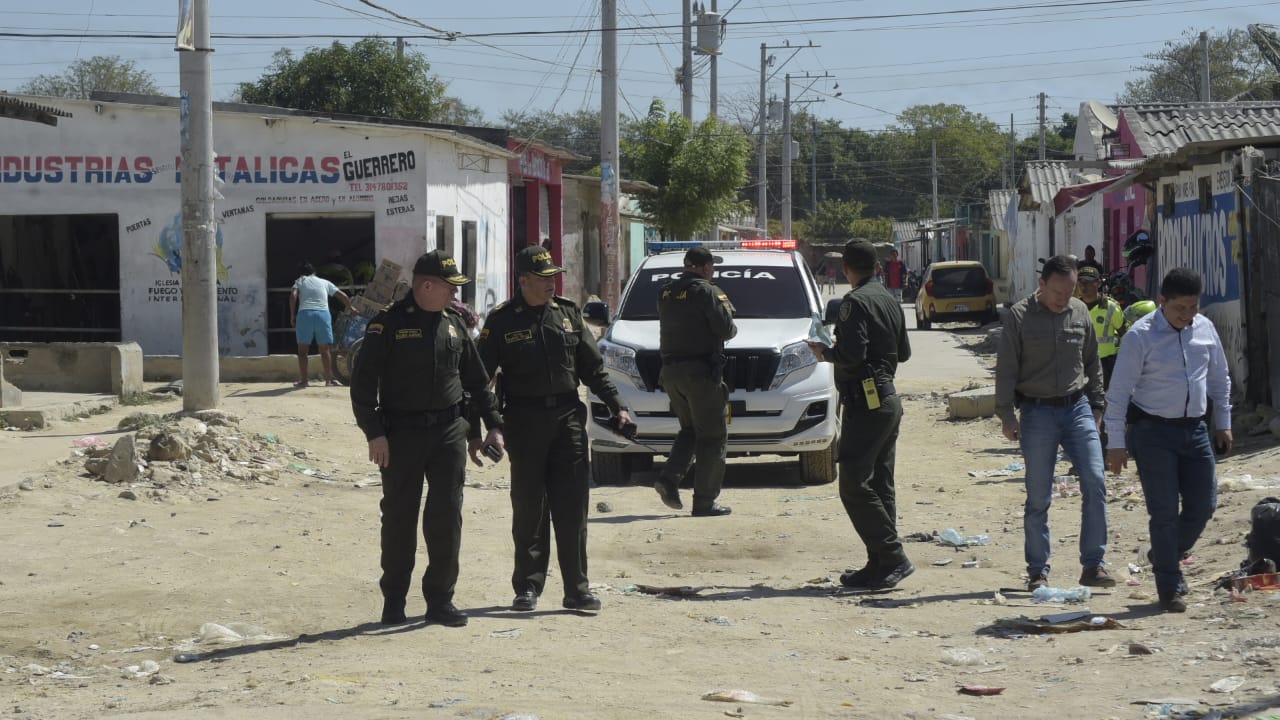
[[1048, 367]]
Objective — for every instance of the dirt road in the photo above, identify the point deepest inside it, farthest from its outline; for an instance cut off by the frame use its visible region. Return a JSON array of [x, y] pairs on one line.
[[95, 584]]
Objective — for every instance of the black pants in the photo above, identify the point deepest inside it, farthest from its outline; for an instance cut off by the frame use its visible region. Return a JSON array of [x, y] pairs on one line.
[[439, 454], [868, 444], [550, 487], [699, 398]]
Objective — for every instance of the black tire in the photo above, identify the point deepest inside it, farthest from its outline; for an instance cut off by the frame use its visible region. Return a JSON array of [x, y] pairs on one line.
[[344, 362], [641, 463], [922, 323], [610, 468], [820, 467]]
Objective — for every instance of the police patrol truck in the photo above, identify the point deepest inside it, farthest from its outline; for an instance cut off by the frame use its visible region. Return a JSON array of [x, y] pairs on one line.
[[781, 402]]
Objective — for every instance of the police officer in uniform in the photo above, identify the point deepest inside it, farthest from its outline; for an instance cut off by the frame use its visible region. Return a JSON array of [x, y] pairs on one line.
[[695, 318], [544, 350], [1108, 319], [871, 339], [407, 391]]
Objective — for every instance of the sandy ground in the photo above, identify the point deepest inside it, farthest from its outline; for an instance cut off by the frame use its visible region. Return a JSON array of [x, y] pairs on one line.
[[93, 584]]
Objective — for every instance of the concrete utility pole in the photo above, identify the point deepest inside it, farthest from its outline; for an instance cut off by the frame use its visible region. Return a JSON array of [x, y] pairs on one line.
[[610, 281], [933, 161], [1013, 155], [686, 66], [399, 49], [199, 226], [715, 77], [786, 160], [762, 162], [1043, 97], [813, 169], [1205, 93]]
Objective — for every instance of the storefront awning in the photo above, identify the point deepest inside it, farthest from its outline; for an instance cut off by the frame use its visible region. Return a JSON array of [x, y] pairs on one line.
[[1073, 195]]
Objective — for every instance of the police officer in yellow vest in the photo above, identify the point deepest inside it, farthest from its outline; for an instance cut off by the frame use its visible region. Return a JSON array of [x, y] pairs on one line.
[[1108, 319]]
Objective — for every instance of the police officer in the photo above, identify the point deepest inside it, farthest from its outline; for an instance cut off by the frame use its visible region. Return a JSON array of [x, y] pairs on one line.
[[1108, 319], [871, 339], [695, 318], [544, 350], [407, 393]]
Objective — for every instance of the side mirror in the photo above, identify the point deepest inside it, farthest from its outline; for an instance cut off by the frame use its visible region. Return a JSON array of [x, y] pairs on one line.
[[596, 312], [833, 311]]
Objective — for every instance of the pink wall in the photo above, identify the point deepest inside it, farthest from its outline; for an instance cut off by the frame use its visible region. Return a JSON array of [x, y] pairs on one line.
[[1126, 209]]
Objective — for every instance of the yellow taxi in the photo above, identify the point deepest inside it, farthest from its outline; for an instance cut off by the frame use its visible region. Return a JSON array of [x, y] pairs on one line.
[[955, 291]]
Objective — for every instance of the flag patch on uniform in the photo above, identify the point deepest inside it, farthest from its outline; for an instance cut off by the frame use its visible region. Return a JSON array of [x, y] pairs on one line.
[[374, 329], [408, 333], [518, 336]]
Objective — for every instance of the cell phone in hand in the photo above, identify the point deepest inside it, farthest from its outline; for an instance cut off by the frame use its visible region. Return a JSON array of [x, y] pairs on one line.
[[492, 452]]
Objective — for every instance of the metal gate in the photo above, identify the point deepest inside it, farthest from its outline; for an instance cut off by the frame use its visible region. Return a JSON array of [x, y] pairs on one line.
[[1264, 302]]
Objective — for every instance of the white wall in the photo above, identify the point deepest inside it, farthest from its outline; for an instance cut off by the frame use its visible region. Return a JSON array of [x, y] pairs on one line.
[[283, 165]]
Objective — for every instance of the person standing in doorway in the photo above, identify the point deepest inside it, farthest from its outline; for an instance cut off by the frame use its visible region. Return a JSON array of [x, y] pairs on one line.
[[415, 368], [1047, 365], [539, 348], [1171, 383], [895, 274], [310, 318], [1091, 260], [871, 339], [695, 319]]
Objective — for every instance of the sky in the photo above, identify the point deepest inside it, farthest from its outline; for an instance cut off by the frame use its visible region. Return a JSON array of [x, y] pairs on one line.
[[992, 56]]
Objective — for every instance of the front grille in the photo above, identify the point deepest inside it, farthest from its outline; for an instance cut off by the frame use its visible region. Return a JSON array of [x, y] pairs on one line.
[[748, 370]]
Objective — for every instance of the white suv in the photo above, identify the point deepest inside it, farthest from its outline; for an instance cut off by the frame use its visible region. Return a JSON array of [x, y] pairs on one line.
[[782, 401]]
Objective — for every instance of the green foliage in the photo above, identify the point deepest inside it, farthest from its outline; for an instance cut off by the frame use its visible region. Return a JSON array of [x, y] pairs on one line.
[[697, 171], [366, 78], [103, 72], [834, 220], [576, 131], [1237, 70], [877, 229]]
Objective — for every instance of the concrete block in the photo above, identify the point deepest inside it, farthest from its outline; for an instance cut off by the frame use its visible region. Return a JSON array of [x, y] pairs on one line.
[[114, 368], [10, 395], [977, 403]]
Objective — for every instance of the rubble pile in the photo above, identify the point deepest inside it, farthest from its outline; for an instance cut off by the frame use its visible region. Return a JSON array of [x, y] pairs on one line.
[[185, 450]]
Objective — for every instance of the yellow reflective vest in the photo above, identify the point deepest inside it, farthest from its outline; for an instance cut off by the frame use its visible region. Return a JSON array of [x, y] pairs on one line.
[[1108, 324]]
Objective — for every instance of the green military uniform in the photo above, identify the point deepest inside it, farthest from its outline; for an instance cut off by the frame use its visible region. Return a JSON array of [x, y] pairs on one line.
[[544, 352], [871, 339], [408, 385], [695, 319], [1108, 325]]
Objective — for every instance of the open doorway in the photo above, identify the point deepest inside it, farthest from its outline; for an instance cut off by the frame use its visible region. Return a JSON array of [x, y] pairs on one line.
[[339, 245], [60, 278], [469, 260]]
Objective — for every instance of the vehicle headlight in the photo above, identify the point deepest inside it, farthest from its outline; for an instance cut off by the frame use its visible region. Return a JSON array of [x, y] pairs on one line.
[[622, 359], [795, 356]]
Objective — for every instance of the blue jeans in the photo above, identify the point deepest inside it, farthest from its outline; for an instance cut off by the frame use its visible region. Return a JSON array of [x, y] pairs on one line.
[[1174, 460], [1043, 429]]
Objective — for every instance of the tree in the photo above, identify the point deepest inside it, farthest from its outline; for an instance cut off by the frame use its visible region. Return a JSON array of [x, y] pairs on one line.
[[697, 171], [457, 112], [1173, 75], [576, 131], [970, 151], [103, 72], [367, 78], [835, 220]]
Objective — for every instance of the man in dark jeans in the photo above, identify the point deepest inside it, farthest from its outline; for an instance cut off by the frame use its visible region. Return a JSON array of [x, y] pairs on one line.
[[871, 339]]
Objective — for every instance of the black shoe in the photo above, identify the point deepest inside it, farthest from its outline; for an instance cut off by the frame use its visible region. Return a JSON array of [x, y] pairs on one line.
[[712, 510], [894, 575], [1182, 588], [526, 601], [1172, 603], [446, 614], [586, 602], [669, 491], [393, 612], [859, 578]]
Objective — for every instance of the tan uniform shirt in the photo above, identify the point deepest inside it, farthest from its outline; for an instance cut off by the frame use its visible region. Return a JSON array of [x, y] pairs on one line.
[[1047, 355]]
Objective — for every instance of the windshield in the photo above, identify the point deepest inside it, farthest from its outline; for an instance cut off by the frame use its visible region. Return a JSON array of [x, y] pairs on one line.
[[960, 281], [765, 292]]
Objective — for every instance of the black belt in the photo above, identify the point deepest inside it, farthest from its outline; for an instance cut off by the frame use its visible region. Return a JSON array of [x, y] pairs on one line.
[[1060, 401], [428, 417], [1136, 413], [543, 401]]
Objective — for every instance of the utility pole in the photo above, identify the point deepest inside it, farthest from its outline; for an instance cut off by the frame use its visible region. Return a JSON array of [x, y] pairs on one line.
[[813, 170], [1013, 155], [610, 285], [786, 160], [762, 189], [399, 49], [1043, 97], [199, 226], [686, 66], [715, 57], [933, 161], [1205, 94]]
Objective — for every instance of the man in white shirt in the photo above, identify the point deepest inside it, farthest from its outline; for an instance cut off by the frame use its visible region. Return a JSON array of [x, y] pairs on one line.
[[309, 315], [1169, 384]]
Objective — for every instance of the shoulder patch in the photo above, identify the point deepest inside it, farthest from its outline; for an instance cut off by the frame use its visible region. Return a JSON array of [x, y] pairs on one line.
[[484, 333], [846, 309], [374, 328]]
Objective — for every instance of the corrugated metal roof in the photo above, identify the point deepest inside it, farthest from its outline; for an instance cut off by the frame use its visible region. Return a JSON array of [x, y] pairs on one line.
[[1164, 130], [1041, 181], [906, 230], [999, 201]]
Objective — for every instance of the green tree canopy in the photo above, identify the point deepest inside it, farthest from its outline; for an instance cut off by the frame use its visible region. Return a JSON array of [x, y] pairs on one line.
[[103, 72], [697, 171], [366, 78], [1237, 69]]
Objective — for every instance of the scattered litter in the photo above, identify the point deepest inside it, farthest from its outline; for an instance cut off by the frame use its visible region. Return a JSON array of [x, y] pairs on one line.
[[943, 562], [884, 633], [743, 696], [215, 634], [1066, 616], [1247, 482], [670, 591], [146, 669], [1227, 684], [1067, 595], [991, 473], [1028, 625], [963, 656], [979, 690], [951, 538], [508, 633], [1066, 486], [718, 620], [89, 441], [445, 703], [1140, 649], [919, 537], [604, 507], [969, 564], [807, 498]]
